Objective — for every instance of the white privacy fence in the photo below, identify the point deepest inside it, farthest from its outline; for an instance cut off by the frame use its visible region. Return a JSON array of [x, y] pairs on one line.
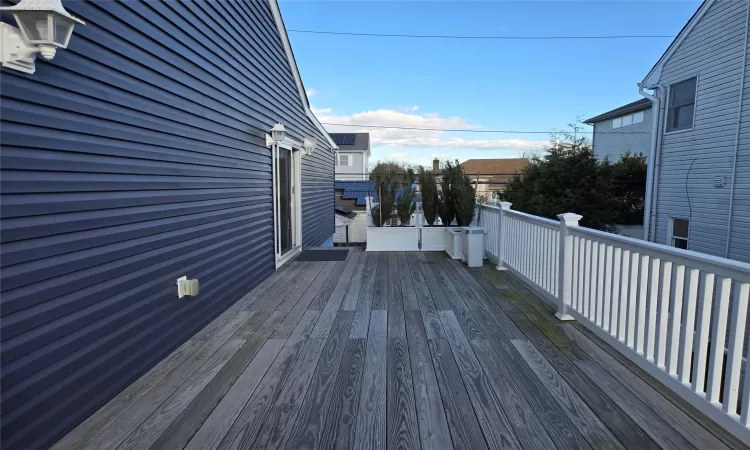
[[680, 315]]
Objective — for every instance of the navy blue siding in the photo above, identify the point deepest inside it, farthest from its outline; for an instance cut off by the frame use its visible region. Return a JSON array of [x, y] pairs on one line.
[[134, 157]]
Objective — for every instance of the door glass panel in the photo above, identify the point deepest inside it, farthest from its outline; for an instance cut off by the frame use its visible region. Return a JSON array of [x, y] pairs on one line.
[[284, 193]]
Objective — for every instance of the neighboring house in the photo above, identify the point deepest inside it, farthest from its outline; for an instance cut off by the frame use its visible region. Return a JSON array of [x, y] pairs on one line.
[[350, 197], [698, 193], [353, 156], [491, 175], [624, 129], [136, 156]]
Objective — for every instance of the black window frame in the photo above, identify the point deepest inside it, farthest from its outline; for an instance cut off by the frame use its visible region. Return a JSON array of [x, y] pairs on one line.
[[673, 109]]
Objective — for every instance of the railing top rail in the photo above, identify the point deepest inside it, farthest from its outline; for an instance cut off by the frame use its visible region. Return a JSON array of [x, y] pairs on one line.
[[736, 270], [549, 223]]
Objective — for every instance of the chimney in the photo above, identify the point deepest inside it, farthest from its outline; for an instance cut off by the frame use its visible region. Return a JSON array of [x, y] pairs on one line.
[[435, 165]]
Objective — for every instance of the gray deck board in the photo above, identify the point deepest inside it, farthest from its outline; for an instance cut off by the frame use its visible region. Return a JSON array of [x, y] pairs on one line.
[[394, 350]]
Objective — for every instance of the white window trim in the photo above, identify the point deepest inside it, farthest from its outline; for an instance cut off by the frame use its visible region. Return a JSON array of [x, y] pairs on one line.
[[670, 231], [296, 204], [695, 104], [632, 119], [349, 161]]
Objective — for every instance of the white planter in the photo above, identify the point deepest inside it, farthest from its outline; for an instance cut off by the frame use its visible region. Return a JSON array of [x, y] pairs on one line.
[[392, 239], [472, 246], [433, 239], [453, 242]]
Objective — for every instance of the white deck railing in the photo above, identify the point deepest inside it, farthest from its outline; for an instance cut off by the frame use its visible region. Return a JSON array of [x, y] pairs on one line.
[[680, 315]]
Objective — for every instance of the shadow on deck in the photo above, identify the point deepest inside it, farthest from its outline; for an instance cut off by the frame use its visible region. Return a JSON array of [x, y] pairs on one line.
[[394, 350]]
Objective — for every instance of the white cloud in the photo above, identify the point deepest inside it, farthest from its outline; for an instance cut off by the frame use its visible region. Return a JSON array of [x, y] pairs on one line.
[[399, 155], [320, 110], [421, 138], [310, 92], [412, 108]]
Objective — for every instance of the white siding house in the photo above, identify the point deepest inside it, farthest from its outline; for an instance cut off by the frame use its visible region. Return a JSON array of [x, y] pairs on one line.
[[699, 176], [624, 129], [353, 156]]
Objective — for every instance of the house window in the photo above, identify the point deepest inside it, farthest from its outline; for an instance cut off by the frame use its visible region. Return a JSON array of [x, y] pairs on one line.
[[678, 232], [681, 105], [629, 119], [344, 160]]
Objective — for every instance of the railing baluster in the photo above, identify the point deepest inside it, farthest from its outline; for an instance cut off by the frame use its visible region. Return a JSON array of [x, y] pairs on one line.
[[666, 288], [615, 305], [624, 283], [632, 299], [676, 319], [600, 283], [653, 306], [642, 305], [607, 310], [718, 338], [593, 261], [585, 274], [736, 340], [704, 325], [687, 336]]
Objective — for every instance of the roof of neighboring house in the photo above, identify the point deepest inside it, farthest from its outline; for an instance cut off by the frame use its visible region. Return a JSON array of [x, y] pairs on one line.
[[362, 189], [637, 105], [502, 166], [653, 76], [344, 211], [351, 141]]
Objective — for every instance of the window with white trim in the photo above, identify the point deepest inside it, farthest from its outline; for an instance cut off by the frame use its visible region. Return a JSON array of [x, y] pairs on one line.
[[344, 160], [681, 107], [678, 232], [630, 119]]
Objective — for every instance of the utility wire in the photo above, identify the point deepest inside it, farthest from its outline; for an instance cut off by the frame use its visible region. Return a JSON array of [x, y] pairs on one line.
[[466, 130], [445, 36]]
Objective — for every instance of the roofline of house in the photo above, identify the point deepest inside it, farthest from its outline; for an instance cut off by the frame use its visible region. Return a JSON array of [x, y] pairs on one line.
[[638, 105], [654, 75], [281, 28]]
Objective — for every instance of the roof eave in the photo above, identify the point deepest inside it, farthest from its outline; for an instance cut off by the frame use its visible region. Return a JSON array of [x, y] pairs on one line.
[[281, 28], [653, 77]]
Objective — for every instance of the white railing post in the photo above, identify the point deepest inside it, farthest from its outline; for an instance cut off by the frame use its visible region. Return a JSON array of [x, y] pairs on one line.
[[565, 266], [504, 206]]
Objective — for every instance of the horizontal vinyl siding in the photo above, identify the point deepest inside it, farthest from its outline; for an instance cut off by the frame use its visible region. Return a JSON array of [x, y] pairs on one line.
[[612, 143], [134, 157], [690, 160]]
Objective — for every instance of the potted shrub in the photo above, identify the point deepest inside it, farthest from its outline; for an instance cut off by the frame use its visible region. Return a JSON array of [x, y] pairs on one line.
[[433, 238], [380, 236], [447, 210]]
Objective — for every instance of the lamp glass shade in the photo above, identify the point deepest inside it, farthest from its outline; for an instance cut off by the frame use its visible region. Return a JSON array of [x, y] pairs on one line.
[[309, 145], [278, 133], [34, 26], [63, 30]]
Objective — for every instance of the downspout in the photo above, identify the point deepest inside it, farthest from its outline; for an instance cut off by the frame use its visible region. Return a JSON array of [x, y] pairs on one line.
[[652, 167], [737, 137]]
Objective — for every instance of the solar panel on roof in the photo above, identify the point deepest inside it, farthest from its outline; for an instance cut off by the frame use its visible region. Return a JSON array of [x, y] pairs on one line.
[[343, 138]]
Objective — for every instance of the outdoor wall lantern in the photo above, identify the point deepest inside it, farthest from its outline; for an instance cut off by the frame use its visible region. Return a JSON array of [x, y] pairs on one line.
[[44, 26], [309, 145], [278, 133]]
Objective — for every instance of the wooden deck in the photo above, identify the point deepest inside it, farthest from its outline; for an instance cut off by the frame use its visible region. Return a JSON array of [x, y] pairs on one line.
[[394, 350]]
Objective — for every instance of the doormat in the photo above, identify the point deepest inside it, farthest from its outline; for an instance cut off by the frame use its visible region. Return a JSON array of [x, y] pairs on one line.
[[323, 255]]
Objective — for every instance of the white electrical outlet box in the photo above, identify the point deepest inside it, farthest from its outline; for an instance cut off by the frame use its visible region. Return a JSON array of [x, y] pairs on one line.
[[187, 287]]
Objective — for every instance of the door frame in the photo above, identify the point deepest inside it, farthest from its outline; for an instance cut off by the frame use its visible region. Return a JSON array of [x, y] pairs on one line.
[[296, 207]]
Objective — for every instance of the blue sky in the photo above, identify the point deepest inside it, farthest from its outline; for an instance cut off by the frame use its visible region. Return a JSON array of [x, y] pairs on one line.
[[483, 84]]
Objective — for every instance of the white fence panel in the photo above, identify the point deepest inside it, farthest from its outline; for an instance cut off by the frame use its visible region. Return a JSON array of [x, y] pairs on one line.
[[665, 308]]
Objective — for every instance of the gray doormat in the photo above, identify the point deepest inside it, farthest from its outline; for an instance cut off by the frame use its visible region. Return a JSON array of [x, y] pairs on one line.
[[323, 255]]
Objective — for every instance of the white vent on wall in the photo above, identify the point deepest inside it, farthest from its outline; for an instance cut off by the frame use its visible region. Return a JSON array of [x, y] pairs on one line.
[[719, 181]]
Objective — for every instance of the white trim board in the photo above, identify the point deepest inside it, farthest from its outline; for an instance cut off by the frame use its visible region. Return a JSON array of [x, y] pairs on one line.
[[295, 70], [654, 75]]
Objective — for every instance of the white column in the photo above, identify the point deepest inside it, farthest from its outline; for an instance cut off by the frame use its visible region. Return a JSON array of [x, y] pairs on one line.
[[504, 206], [565, 266]]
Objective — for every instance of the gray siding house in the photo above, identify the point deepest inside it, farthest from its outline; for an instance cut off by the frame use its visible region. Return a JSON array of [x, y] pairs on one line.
[[624, 129], [138, 155], [353, 156], [698, 195]]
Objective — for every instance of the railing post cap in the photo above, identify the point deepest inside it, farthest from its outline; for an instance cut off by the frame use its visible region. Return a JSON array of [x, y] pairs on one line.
[[506, 205], [570, 218]]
